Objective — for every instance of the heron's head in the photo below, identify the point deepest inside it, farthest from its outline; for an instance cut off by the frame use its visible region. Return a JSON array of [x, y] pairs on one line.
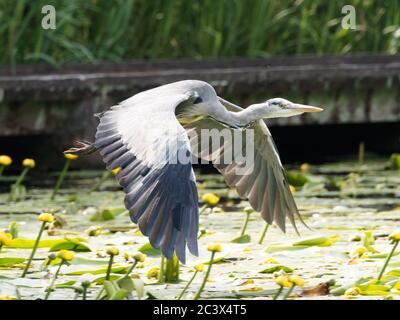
[[279, 108]]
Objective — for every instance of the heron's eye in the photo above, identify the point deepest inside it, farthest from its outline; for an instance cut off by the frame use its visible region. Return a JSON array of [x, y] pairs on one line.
[[198, 100]]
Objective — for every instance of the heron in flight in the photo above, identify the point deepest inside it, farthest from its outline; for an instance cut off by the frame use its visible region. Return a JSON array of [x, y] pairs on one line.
[[161, 195]]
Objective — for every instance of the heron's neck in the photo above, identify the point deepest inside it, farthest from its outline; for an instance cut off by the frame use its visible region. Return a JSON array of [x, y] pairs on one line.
[[242, 118]]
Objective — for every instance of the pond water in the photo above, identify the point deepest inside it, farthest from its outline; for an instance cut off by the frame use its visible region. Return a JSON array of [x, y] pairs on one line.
[[346, 207]]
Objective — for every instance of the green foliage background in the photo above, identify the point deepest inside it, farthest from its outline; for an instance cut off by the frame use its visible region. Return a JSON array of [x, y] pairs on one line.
[[96, 30]]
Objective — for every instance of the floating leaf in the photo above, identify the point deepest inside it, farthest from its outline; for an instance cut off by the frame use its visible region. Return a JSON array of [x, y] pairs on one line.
[[107, 214], [296, 179], [242, 239], [149, 250], [71, 244], [316, 241], [20, 243], [6, 262], [118, 269], [277, 268]]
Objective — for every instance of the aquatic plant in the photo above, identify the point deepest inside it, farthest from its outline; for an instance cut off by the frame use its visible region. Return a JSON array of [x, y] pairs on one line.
[[210, 201], [68, 158], [65, 256], [112, 252], [214, 248], [394, 238], [106, 175], [17, 189], [5, 161], [44, 218], [5, 239], [197, 268], [283, 282]]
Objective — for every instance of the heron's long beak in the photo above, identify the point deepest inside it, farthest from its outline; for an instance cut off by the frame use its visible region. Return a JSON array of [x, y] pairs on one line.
[[305, 108]]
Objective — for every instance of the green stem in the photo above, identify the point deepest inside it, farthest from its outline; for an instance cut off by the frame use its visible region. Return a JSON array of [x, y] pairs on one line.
[[60, 178], [172, 269], [198, 294], [1, 170], [84, 292], [104, 177], [289, 292], [110, 263], [263, 233], [187, 286], [131, 268], [50, 288], [277, 293], [387, 260], [203, 208], [35, 246], [1, 246], [161, 275], [246, 221], [18, 183]]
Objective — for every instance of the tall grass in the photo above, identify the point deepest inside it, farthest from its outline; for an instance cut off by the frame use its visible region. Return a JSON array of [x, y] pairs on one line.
[[96, 30]]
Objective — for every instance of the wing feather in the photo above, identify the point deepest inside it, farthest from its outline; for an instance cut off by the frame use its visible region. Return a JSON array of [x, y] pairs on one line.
[[161, 196]]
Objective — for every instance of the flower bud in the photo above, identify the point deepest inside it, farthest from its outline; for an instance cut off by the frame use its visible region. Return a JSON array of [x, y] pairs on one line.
[[116, 170], [210, 199], [66, 255], [29, 163], [153, 273], [112, 251], [5, 161], [139, 257], [199, 267], [352, 291], [283, 281], [216, 247], [5, 238], [296, 280], [46, 217], [70, 156]]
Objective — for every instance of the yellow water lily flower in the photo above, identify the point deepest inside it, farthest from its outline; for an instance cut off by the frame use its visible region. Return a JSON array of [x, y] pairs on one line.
[[292, 189], [66, 255], [305, 168], [210, 199], [5, 238], [215, 247], [395, 236], [112, 251], [29, 163], [46, 217], [352, 291], [139, 257], [199, 267], [283, 281], [153, 273], [70, 156], [296, 280], [116, 170], [5, 161]]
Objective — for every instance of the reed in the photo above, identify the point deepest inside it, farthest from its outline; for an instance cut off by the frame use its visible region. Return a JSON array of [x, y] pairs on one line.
[[100, 30]]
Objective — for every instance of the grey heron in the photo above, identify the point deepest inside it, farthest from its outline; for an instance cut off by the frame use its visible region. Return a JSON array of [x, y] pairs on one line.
[[162, 196]]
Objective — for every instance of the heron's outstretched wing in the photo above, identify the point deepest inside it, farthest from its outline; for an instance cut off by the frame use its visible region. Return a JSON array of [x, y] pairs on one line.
[[266, 185], [142, 136]]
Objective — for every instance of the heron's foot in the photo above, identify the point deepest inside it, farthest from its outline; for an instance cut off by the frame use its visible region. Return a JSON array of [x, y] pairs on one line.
[[82, 148]]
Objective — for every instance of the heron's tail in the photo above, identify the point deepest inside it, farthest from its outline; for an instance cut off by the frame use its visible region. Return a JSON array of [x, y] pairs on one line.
[[82, 148]]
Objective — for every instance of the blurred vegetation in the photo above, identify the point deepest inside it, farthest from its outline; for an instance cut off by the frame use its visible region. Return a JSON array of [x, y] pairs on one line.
[[96, 30]]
